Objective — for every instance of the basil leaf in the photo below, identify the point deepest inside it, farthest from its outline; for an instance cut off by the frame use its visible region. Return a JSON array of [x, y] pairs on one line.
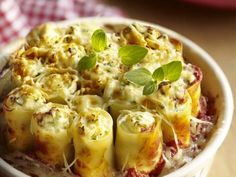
[[158, 74], [132, 54], [149, 88], [139, 76], [99, 40], [172, 70], [87, 62]]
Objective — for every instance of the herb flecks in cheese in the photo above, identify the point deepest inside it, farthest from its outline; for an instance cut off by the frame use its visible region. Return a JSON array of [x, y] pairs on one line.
[[136, 122], [76, 84]]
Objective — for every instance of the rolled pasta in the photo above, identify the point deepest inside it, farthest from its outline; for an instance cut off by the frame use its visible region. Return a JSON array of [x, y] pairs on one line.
[[116, 106], [93, 143], [82, 102], [59, 84], [45, 34], [25, 70], [138, 141], [18, 108], [50, 126], [194, 90], [175, 105]]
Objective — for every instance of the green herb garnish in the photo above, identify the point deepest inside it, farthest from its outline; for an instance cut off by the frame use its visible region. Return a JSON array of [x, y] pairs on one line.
[[99, 43], [141, 76], [87, 62], [149, 88], [172, 70], [132, 54], [99, 40], [158, 74]]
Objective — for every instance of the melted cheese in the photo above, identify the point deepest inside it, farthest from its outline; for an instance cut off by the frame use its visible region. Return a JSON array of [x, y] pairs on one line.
[[50, 126], [46, 34], [81, 103], [175, 104], [49, 61], [58, 84], [94, 123], [18, 108], [136, 122], [23, 70], [93, 143], [138, 141]]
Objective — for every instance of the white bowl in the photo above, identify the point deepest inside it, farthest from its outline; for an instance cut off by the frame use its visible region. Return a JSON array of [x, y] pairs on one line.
[[214, 82]]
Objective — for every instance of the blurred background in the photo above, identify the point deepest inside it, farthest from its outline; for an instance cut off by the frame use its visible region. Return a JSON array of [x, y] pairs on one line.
[[209, 23]]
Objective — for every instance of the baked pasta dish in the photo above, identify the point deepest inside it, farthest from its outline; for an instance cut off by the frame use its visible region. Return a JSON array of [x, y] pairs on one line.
[[104, 100]]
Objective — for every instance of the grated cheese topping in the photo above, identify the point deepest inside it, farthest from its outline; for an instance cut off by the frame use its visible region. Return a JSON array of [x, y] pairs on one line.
[[45, 72]]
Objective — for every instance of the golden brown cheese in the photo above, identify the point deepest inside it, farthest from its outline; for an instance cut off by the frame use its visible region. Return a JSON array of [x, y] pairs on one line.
[[59, 84], [93, 143], [81, 103], [138, 141], [49, 63], [18, 108], [51, 128], [175, 104]]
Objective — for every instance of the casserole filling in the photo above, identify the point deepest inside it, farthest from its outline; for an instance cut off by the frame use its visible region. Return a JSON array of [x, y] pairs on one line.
[[99, 100]]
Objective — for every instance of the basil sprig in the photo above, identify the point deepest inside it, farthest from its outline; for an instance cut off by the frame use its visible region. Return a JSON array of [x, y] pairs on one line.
[[141, 76], [132, 54]]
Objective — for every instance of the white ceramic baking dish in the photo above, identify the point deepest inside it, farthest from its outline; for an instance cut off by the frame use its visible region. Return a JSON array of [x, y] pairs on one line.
[[214, 82]]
